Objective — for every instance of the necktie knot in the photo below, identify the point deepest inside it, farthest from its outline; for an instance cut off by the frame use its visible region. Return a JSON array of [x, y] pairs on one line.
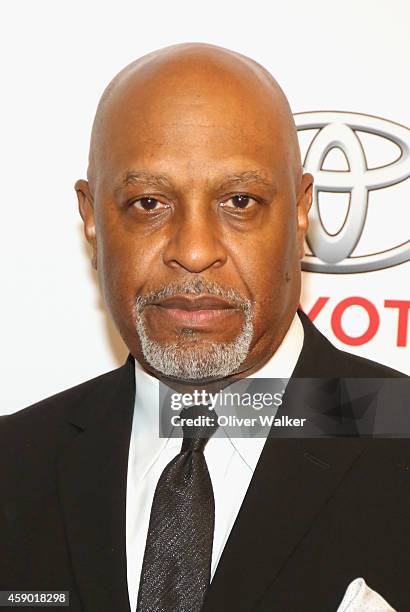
[[199, 423]]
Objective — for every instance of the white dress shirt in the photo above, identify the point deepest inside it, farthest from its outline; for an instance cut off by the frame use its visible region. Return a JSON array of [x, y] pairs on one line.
[[231, 461]]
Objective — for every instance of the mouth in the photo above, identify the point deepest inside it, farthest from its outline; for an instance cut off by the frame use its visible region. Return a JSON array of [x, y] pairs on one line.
[[196, 311]]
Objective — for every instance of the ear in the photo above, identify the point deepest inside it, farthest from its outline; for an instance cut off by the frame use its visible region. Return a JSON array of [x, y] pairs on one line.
[[304, 202], [86, 208]]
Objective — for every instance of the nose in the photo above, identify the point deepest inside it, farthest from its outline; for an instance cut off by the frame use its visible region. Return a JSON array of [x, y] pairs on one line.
[[195, 241]]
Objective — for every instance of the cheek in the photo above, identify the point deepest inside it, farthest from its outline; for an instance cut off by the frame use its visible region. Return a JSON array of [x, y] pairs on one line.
[[123, 268], [270, 268]]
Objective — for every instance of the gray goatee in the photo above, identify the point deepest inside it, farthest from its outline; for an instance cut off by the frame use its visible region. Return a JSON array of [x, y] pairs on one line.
[[187, 360]]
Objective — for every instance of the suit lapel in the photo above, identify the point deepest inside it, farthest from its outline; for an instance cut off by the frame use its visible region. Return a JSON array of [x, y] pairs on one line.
[[92, 474], [293, 480], [291, 484]]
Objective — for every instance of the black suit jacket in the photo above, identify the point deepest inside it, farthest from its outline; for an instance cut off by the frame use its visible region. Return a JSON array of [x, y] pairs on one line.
[[318, 513]]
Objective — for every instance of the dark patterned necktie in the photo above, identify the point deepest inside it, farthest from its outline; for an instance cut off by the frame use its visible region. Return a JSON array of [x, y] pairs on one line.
[[176, 568]]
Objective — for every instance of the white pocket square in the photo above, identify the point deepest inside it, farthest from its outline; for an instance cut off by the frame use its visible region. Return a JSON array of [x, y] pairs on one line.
[[360, 598]]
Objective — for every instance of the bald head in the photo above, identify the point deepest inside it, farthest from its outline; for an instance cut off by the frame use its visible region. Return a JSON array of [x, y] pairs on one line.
[[191, 80]]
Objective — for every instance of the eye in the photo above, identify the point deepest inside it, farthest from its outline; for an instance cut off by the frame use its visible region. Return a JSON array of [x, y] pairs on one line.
[[238, 202], [148, 204]]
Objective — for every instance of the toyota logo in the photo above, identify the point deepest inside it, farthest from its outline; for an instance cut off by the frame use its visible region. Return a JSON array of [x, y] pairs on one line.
[[332, 253]]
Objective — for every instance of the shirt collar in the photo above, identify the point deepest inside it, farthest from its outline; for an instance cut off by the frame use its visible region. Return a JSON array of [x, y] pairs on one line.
[[145, 426]]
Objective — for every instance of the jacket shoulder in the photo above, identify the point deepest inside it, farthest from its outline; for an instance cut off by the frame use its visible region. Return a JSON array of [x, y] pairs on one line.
[[367, 368], [320, 358], [37, 434], [51, 410]]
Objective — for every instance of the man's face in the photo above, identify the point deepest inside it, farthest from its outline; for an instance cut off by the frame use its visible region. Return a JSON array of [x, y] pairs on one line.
[[198, 232]]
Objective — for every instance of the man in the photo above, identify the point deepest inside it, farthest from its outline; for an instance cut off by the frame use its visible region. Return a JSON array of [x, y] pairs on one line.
[[196, 208]]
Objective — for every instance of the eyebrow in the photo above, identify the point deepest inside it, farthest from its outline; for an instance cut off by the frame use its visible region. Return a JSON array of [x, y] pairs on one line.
[[134, 177], [159, 181], [245, 178]]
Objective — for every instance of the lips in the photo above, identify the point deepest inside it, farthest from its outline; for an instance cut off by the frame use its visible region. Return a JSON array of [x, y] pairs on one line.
[[197, 303], [200, 311]]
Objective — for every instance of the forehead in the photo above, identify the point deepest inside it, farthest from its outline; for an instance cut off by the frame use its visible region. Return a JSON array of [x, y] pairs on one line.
[[197, 130]]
